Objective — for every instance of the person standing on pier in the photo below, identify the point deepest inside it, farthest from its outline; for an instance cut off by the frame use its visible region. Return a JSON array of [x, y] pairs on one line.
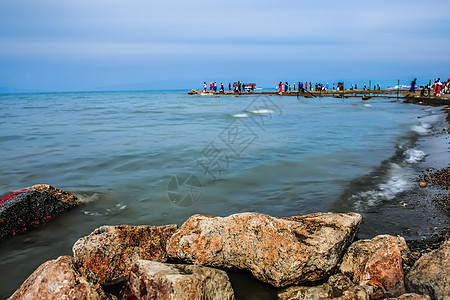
[[413, 86], [280, 87]]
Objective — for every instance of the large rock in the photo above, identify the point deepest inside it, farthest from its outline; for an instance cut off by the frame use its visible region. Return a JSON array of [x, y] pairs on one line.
[[377, 265], [60, 279], [337, 287], [154, 280], [28, 208], [110, 251], [431, 274], [279, 251]]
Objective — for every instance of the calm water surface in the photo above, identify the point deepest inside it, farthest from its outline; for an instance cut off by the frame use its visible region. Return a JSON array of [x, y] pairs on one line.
[[157, 157]]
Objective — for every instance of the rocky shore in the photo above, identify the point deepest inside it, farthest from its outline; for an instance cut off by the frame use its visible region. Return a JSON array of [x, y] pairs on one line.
[[302, 257], [314, 256]]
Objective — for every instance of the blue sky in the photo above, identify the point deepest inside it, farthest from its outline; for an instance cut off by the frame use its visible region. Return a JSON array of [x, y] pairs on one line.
[[71, 45]]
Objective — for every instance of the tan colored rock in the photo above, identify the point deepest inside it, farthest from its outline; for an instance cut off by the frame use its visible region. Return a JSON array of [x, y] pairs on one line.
[[377, 265], [412, 297], [154, 280], [110, 251], [430, 274], [338, 287], [60, 279], [278, 251]]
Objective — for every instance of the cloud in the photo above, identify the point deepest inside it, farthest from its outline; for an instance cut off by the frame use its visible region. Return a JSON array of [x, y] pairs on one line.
[[180, 34]]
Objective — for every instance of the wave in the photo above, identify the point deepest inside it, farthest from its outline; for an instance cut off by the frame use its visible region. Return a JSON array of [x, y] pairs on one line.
[[422, 129], [106, 211], [391, 178], [242, 115], [261, 111], [413, 156], [88, 198]]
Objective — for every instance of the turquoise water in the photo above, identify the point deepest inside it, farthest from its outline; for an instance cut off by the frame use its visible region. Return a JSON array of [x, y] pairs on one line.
[[157, 157]]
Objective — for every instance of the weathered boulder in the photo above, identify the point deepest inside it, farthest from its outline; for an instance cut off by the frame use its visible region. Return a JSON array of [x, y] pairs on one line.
[[376, 264], [412, 297], [110, 251], [338, 286], [154, 280], [430, 274], [60, 279], [28, 208], [278, 251], [192, 92]]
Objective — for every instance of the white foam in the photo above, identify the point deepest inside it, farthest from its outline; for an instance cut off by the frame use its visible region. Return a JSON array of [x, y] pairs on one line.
[[368, 105], [397, 183], [420, 129], [87, 199], [414, 156], [262, 111], [244, 115], [424, 127]]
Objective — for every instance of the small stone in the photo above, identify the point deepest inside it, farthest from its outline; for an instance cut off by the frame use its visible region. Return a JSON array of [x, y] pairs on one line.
[[423, 184]]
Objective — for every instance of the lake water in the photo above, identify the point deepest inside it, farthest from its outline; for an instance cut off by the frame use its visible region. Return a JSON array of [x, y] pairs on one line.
[[158, 157]]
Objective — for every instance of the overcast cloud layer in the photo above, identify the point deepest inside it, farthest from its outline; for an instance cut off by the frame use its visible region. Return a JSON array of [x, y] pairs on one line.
[[52, 45]]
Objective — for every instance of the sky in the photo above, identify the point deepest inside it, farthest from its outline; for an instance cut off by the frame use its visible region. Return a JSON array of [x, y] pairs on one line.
[[85, 45]]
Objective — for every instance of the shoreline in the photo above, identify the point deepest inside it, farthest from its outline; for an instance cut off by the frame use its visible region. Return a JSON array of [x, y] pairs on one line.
[[424, 210]]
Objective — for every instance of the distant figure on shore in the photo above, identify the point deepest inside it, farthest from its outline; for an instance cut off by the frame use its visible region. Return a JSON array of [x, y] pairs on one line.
[[221, 88], [280, 87], [229, 86], [438, 87], [204, 86], [413, 86]]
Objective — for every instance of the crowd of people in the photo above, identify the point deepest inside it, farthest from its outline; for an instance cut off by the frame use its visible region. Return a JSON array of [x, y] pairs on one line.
[[438, 88], [283, 87], [236, 87]]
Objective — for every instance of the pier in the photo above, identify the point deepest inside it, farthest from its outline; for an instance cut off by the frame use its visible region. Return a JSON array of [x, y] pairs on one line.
[[406, 96]]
